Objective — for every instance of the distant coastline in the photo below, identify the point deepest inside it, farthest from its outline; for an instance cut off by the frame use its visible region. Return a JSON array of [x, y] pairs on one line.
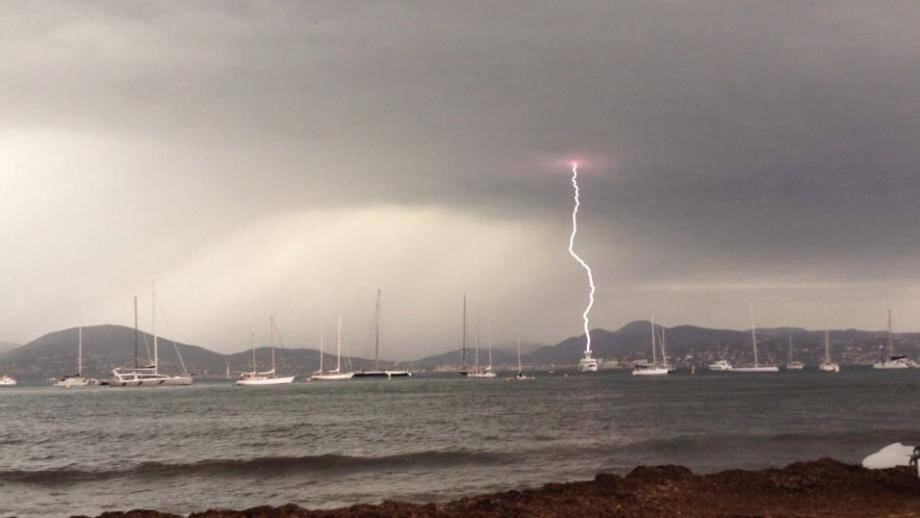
[[823, 487]]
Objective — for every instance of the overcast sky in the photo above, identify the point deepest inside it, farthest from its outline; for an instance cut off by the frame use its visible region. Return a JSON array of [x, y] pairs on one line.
[[257, 158]]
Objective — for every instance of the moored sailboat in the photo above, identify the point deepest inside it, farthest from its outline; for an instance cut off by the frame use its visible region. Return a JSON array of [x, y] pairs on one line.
[[892, 362], [377, 372], [826, 364], [479, 372], [653, 368], [337, 374], [149, 375], [791, 364], [520, 376], [77, 380], [269, 377], [757, 367]]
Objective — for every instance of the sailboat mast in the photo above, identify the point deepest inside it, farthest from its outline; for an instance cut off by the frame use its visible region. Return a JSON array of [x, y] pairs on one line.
[[477, 341], [322, 338], [377, 332], [654, 353], [890, 343], [489, 324], [664, 352], [463, 343], [80, 351], [789, 347], [827, 344], [520, 370], [338, 348], [754, 337], [156, 354], [271, 339], [135, 332], [253, 344]]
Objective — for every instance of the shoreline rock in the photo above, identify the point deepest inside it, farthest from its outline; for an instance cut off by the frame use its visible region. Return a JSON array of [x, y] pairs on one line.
[[822, 487]]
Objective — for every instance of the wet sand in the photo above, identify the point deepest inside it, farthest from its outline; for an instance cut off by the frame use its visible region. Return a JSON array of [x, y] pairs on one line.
[[818, 488]]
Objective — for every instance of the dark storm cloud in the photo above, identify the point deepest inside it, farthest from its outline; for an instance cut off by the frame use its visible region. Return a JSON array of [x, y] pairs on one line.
[[739, 140]]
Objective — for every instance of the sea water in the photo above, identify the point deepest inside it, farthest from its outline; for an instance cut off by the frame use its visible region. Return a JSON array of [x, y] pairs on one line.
[[423, 439]]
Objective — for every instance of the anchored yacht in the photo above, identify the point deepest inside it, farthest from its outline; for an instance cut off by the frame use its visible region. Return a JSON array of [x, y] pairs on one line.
[[377, 372], [148, 375], [77, 380], [269, 377], [653, 368], [892, 362], [792, 365], [337, 374], [826, 364], [757, 367]]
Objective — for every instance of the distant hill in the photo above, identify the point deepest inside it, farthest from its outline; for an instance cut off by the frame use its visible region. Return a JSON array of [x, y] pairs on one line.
[[7, 346], [108, 346]]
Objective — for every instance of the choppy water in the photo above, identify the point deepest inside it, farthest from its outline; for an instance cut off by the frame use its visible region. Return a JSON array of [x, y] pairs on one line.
[[422, 439]]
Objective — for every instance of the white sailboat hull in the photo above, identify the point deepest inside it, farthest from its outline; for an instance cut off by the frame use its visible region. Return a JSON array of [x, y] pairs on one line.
[[6, 381], [262, 381], [75, 382], [829, 367], [483, 374], [336, 376], [755, 370], [891, 365], [143, 379], [650, 371]]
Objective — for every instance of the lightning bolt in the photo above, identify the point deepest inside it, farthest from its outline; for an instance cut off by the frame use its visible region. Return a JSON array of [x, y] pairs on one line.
[[583, 264]]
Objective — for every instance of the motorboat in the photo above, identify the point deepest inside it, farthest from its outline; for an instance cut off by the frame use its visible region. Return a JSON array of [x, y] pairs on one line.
[[720, 366]]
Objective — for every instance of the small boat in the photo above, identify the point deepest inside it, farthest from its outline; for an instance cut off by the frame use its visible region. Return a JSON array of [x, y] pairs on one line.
[[893, 362], [269, 377], [479, 372], [826, 364], [520, 376], [337, 374], [792, 365], [377, 372], [653, 368], [757, 367], [6, 381], [148, 375], [720, 366], [77, 380]]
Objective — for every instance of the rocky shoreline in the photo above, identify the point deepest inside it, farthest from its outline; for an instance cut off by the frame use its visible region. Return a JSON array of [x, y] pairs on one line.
[[824, 487]]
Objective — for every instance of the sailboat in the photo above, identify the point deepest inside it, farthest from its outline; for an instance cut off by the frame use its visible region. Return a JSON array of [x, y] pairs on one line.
[[478, 372], [826, 364], [337, 374], [377, 372], [76, 380], [269, 377], [757, 367], [149, 375], [520, 376], [892, 362], [792, 365], [651, 369]]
